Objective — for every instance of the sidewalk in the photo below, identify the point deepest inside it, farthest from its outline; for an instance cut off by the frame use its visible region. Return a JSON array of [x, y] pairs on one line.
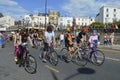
[[110, 47]]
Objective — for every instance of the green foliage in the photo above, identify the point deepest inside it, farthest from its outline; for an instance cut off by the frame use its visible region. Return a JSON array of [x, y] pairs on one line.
[[97, 24], [117, 23]]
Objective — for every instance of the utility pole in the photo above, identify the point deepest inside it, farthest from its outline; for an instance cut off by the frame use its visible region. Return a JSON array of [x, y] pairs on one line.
[[45, 13]]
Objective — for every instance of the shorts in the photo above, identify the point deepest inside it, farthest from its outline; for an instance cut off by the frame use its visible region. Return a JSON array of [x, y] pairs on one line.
[[70, 45]]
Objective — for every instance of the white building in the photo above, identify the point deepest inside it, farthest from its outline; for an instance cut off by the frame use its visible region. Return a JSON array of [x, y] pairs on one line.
[[84, 21], [108, 14], [5, 22], [63, 22], [81, 21], [35, 20]]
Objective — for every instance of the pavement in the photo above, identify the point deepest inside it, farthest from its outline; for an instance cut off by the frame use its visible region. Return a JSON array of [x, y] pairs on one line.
[[110, 47]]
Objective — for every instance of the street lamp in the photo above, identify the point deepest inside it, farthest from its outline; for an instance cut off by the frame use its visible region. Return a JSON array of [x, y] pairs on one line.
[[45, 11]]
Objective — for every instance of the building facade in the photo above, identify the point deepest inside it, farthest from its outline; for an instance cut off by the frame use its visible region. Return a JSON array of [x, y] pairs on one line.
[[53, 16], [35, 20], [6, 22], [63, 22], [108, 14], [80, 21], [84, 21]]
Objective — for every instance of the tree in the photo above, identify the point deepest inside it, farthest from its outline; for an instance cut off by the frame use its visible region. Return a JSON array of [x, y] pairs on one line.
[[97, 24], [1, 15], [117, 23]]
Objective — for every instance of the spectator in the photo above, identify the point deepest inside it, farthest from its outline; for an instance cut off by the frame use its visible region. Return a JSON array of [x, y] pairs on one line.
[[106, 39], [61, 39], [1, 39], [112, 38]]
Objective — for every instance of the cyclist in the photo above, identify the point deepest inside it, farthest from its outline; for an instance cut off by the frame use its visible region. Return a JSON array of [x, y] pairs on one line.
[[81, 37], [40, 36], [16, 38], [93, 41], [24, 37], [69, 44], [35, 36], [49, 38]]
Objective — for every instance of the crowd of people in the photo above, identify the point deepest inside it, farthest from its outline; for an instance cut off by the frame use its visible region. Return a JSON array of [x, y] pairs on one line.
[[109, 39], [49, 38]]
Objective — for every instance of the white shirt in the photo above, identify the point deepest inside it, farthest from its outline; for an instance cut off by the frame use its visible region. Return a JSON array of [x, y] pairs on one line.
[[62, 37], [49, 36]]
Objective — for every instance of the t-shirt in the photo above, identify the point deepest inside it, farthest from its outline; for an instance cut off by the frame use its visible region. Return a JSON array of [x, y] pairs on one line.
[[49, 36], [24, 38], [79, 37], [93, 39]]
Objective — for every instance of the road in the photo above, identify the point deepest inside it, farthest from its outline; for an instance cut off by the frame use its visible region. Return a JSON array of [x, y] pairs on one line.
[[110, 70]]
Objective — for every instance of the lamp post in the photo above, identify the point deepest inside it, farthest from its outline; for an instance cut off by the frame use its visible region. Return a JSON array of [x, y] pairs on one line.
[[45, 11]]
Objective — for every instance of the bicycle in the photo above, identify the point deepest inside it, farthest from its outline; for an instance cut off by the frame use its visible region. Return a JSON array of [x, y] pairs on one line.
[[36, 42], [95, 56], [76, 56], [51, 55], [29, 62]]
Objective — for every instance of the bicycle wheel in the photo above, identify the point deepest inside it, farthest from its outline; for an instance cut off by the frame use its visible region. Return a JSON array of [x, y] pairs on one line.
[[98, 57], [30, 64], [53, 58], [63, 54], [80, 58]]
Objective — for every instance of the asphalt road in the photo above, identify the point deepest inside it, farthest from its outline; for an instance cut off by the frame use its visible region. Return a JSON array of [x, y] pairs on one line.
[[110, 70]]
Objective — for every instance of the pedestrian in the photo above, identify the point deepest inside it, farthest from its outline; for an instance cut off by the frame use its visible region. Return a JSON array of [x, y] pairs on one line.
[[62, 39], [1, 39], [112, 38]]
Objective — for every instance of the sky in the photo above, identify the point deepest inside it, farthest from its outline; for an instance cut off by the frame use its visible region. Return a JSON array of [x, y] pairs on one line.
[[17, 8]]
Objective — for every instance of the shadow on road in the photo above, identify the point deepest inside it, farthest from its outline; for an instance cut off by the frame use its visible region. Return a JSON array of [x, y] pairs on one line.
[[83, 70], [54, 76]]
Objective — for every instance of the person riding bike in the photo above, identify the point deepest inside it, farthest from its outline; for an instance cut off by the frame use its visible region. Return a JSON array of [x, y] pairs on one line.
[[35, 36], [93, 41], [49, 39], [81, 37], [24, 37], [16, 38], [69, 44], [40, 36]]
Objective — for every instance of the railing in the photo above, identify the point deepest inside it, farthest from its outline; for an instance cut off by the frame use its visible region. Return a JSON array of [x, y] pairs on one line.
[[101, 30]]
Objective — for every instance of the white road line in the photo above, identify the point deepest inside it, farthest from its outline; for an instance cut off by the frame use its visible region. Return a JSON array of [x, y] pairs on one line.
[[112, 59]]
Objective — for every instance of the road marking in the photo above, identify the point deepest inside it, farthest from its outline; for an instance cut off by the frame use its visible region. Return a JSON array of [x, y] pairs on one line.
[[112, 50], [51, 68], [112, 59]]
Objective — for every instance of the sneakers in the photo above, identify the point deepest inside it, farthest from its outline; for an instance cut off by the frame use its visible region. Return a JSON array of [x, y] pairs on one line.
[[44, 60], [15, 59], [98, 61]]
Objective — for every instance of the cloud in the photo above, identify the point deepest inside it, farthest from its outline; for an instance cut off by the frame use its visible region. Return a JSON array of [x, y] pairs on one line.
[[12, 8], [87, 7]]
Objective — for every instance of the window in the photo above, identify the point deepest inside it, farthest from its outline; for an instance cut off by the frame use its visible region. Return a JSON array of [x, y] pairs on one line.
[[114, 15], [68, 21], [107, 15], [114, 10], [107, 10], [91, 19]]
